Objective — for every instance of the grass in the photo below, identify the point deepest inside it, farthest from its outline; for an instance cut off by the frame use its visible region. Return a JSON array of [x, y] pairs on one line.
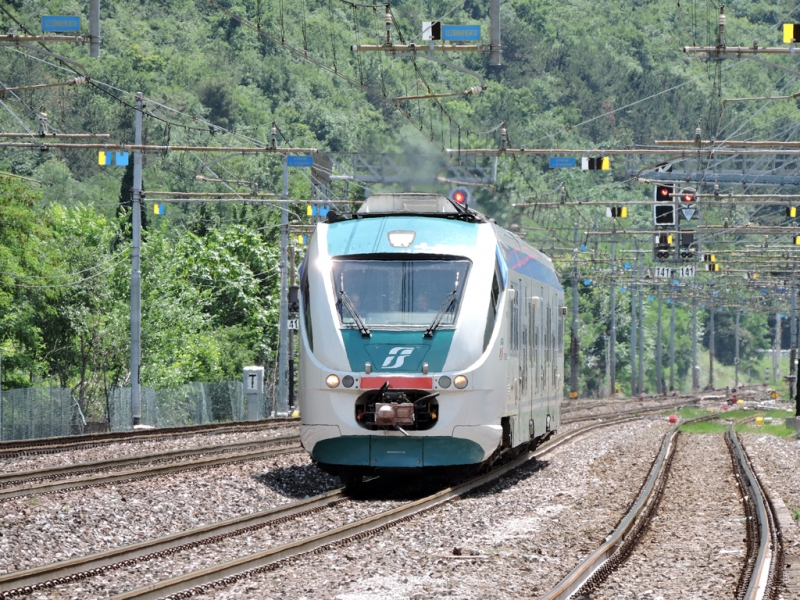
[[704, 427], [796, 514], [766, 428]]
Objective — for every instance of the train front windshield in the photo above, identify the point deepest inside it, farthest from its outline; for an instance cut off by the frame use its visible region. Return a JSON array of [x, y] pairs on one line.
[[399, 293]]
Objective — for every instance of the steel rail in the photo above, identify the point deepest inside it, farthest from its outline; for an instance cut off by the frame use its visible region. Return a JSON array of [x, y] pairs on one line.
[[77, 569], [223, 574], [764, 568], [95, 465], [76, 442], [47, 488], [591, 565]]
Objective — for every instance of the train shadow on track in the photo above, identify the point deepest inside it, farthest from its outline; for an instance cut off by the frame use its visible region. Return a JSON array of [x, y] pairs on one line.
[[298, 481], [511, 479]]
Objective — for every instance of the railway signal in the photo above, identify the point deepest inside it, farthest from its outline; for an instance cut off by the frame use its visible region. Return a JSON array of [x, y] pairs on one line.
[[662, 247], [460, 195], [663, 214]]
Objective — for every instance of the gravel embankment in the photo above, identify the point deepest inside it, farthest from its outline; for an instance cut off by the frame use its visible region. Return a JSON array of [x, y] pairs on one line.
[[134, 447], [515, 538], [694, 547], [39, 530]]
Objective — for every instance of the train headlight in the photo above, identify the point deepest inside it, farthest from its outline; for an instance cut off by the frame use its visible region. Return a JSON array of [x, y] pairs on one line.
[[460, 381], [348, 381], [444, 381], [332, 381]]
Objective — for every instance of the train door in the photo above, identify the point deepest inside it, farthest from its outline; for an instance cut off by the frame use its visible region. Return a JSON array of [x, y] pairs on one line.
[[524, 392], [548, 343]]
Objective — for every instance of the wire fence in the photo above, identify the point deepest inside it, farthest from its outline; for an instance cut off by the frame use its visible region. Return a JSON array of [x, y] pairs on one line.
[[38, 412], [188, 404]]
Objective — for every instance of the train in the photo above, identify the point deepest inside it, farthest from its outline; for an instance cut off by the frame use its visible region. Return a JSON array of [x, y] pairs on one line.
[[431, 340]]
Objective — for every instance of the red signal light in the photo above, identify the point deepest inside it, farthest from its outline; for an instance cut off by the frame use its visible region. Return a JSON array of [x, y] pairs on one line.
[[460, 196], [664, 192], [688, 198]]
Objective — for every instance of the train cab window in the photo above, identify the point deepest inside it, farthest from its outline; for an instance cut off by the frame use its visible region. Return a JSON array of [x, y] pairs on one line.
[[491, 317], [305, 305], [399, 293]]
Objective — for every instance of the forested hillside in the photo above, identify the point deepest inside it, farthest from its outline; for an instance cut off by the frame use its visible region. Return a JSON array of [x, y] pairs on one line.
[[576, 74]]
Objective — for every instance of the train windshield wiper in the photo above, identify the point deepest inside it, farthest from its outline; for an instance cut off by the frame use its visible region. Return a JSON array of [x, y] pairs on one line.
[[357, 319], [445, 308]]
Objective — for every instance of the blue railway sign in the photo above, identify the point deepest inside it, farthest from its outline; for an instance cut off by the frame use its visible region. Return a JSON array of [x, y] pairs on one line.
[[300, 161], [461, 33], [562, 162], [55, 23]]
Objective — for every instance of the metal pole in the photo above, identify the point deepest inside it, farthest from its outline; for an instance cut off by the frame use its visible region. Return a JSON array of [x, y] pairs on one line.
[[659, 367], [136, 273], [736, 355], [634, 325], [573, 344], [613, 328], [792, 345], [711, 350], [94, 28], [640, 382], [695, 366], [495, 49], [291, 334], [672, 345], [282, 404], [776, 349]]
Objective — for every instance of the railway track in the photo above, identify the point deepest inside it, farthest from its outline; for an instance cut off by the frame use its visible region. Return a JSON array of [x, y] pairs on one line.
[[17, 448], [45, 481], [760, 577], [79, 569]]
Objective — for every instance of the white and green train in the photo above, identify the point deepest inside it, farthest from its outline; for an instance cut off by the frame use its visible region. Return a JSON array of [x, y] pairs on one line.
[[431, 339]]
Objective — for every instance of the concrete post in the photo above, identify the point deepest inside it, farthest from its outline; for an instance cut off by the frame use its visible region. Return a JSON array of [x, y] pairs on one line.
[[136, 272], [736, 355], [659, 363], [94, 28], [282, 403], [672, 345], [253, 381], [495, 48]]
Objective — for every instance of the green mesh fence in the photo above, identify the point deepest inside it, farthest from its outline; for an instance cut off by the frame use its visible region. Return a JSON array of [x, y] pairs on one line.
[[38, 412], [188, 404]]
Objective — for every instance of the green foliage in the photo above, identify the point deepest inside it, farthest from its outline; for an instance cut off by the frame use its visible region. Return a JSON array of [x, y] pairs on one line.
[[574, 76]]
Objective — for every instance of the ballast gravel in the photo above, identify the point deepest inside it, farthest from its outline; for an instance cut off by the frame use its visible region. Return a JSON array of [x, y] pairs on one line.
[[134, 447], [39, 530], [514, 538], [694, 547]]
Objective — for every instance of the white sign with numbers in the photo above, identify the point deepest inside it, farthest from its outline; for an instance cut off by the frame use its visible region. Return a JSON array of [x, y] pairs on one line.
[[294, 324], [663, 272], [687, 271]]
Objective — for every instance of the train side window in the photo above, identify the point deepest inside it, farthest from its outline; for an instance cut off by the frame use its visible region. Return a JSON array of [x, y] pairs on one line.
[[305, 306], [535, 330], [491, 317], [560, 333]]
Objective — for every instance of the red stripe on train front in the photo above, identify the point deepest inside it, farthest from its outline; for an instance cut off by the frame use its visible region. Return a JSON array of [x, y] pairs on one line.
[[397, 383]]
